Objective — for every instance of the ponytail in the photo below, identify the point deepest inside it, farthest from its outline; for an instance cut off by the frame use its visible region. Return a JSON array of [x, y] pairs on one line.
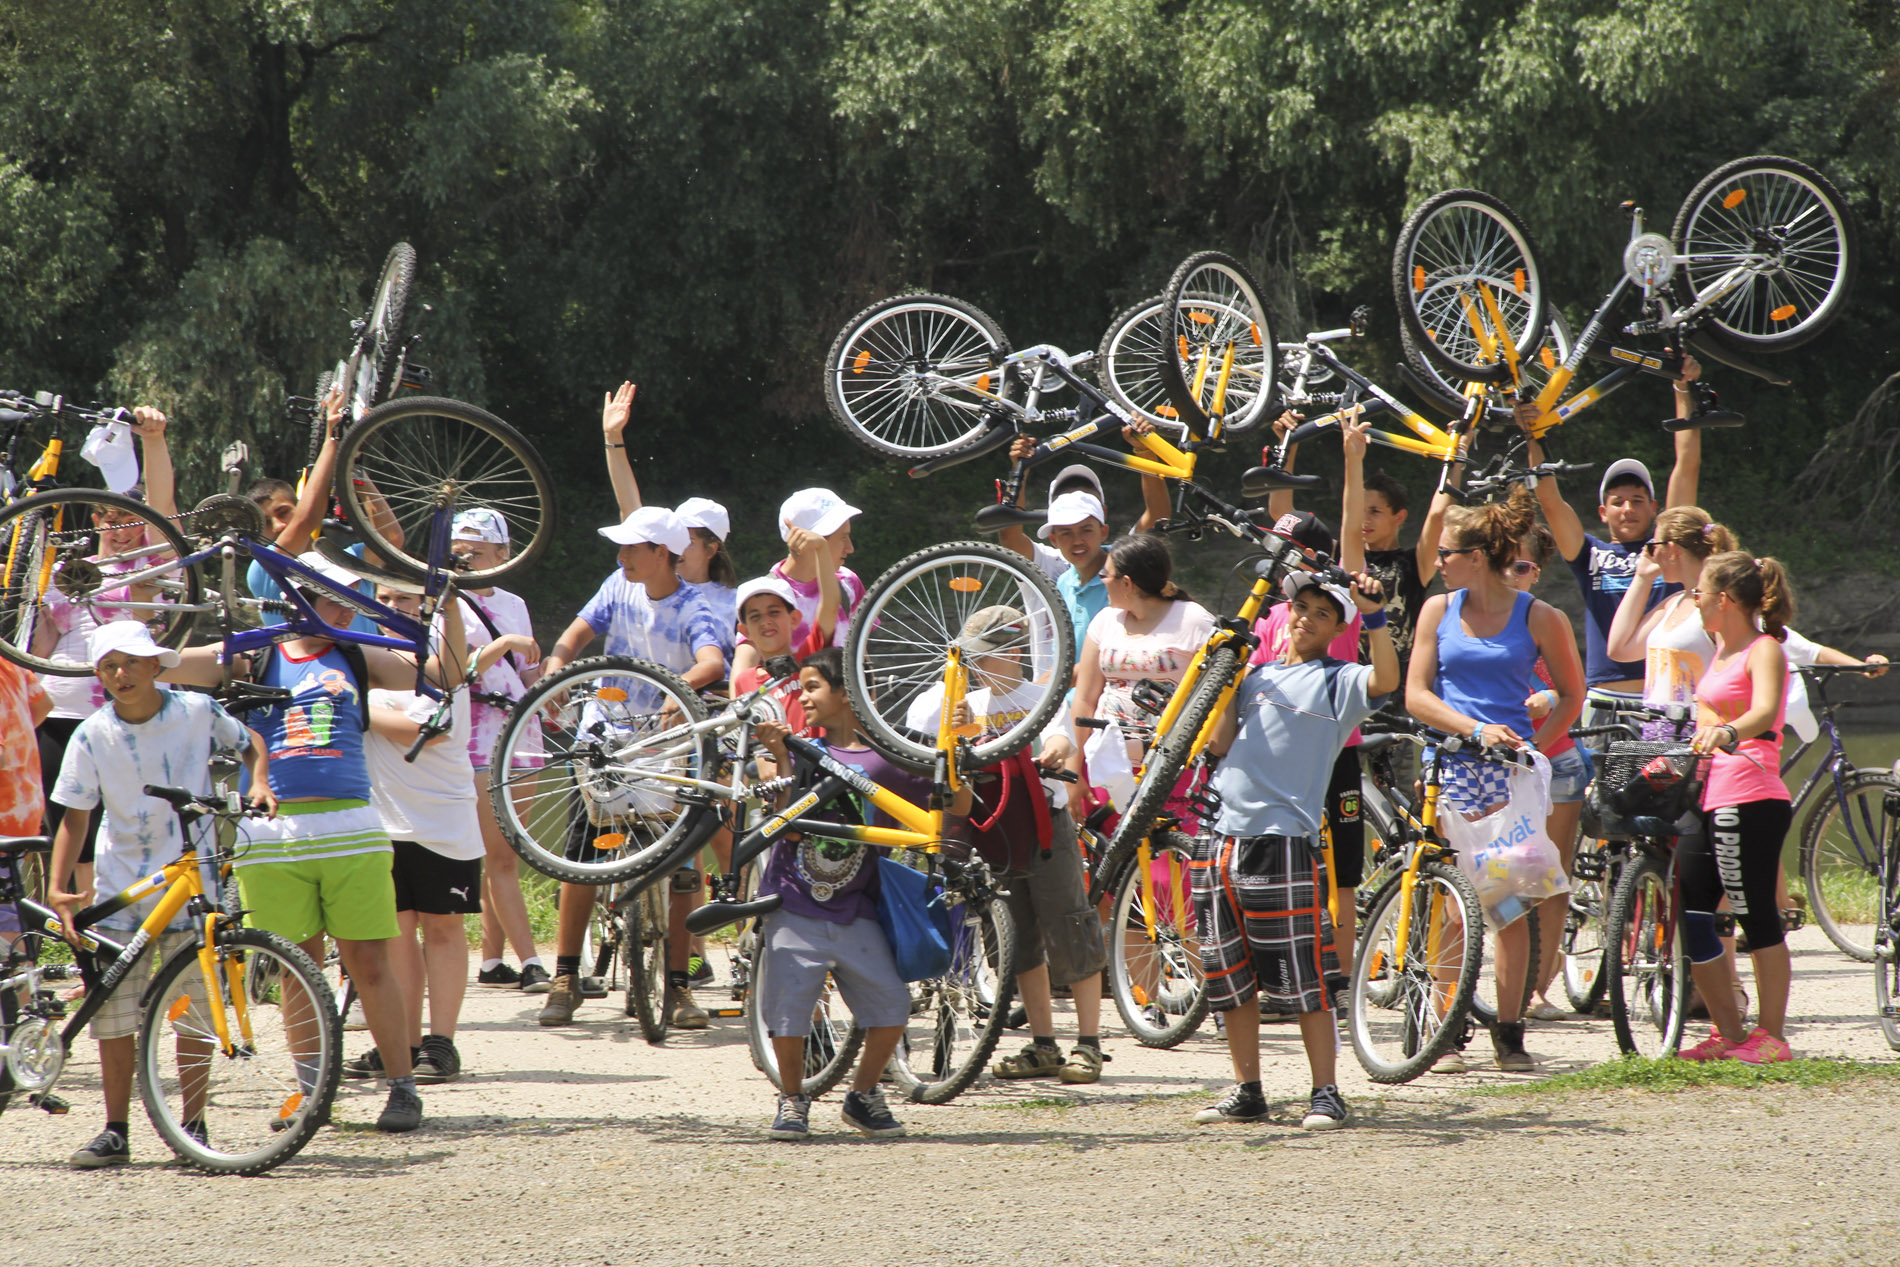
[[1496, 528], [719, 568], [1761, 586]]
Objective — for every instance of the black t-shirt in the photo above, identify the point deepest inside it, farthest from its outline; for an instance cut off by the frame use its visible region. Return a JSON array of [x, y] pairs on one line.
[[1397, 571]]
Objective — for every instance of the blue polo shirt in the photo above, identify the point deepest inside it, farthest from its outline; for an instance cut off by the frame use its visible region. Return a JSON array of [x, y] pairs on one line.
[[1085, 600]]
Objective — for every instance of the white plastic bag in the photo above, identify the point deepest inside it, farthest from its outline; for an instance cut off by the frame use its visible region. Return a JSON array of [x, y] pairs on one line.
[[1507, 855], [1106, 754]]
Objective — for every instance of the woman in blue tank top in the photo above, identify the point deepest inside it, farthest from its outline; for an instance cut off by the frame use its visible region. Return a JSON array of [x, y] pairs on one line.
[[1471, 674]]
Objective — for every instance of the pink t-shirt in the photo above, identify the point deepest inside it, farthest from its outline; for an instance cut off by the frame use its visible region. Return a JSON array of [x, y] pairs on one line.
[[1271, 629], [1753, 771], [509, 615]]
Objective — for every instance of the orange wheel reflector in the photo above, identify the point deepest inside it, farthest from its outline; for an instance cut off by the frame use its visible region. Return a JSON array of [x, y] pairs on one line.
[[861, 360], [611, 694], [1418, 277], [1182, 343], [179, 1007], [1200, 318], [612, 840], [983, 384], [291, 1106], [1734, 198], [1141, 995], [1517, 280], [1167, 411], [1782, 313], [1548, 357], [1254, 326], [965, 584], [1432, 335]]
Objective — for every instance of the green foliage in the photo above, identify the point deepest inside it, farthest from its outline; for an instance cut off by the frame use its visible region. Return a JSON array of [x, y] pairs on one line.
[[194, 198], [1670, 1075]]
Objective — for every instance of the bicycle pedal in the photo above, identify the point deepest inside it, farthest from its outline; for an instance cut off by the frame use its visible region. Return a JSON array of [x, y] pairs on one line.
[[51, 1103], [593, 988], [1589, 866], [725, 1011]]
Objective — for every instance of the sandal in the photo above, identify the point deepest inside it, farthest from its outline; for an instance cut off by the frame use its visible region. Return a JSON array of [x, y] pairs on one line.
[[1033, 1061]]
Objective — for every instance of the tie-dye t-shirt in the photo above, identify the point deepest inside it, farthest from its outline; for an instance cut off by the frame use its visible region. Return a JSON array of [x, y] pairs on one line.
[[110, 761], [669, 631], [22, 799]]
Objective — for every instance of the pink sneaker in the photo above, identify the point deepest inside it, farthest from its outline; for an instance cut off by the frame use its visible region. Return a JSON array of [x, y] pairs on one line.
[[1760, 1048], [1714, 1047]]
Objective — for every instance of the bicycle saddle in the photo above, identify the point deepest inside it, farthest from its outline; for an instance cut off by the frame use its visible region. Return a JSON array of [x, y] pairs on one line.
[[332, 550], [718, 914], [998, 517], [1261, 480], [25, 844]]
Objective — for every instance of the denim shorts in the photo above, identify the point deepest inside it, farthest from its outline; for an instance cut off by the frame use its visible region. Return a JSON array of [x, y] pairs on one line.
[[1570, 773]]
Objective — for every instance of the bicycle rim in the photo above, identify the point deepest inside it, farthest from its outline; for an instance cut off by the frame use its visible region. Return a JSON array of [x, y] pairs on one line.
[[895, 652], [63, 553], [260, 1104], [957, 1019], [1128, 365], [1533, 369], [1840, 858], [1649, 985], [616, 741], [912, 377], [1582, 946], [1155, 970], [1430, 995], [1221, 345], [420, 453], [1455, 243]]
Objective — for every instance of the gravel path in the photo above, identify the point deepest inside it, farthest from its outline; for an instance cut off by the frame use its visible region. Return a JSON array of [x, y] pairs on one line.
[[585, 1145]]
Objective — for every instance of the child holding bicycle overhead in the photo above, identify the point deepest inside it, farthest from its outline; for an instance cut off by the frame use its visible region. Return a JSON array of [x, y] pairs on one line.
[[145, 736], [1745, 603], [827, 922], [1472, 674], [642, 610], [322, 866], [1260, 889]]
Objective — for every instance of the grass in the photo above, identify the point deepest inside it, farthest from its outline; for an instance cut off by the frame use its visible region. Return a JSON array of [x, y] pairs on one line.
[[1669, 1075]]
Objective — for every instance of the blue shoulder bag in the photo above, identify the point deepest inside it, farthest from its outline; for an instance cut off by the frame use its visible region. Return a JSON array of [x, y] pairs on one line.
[[912, 913]]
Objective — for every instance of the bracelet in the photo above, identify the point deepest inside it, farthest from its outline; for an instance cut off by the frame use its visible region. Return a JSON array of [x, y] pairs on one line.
[[1477, 734], [1369, 621], [612, 445], [1734, 735]]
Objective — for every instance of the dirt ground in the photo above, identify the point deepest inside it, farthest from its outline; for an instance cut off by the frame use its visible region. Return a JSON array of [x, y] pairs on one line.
[[586, 1145]]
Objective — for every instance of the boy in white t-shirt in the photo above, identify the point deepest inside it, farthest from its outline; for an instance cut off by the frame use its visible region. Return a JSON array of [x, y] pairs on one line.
[[144, 736]]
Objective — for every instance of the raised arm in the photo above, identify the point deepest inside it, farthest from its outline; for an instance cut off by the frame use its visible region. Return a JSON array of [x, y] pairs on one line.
[[1014, 537], [1565, 527], [614, 413], [1432, 531], [306, 518], [1352, 501], [1686, 476], [1280, 500], [808, 547], [148, 424]]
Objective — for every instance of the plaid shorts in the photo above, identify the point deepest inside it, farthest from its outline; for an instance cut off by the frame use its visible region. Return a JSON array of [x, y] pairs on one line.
[[1260, 903]]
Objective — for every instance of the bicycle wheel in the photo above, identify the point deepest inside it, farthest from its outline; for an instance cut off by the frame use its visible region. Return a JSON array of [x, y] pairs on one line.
[[1484, 998], [1213, 309], [1840, 858], [618, 741], [1128, 365], [1887, 947], [957, 1019], [644, 951], [1453, 243], [379, 367], [262, 1102], [915, 376], [894, 654], [1789, 229], [1583, 947], [1154, 965], [1649, 975], [830, 1048], [1447, 391], [406, 459], [65, 551], [1430, 996], [1162, 766]]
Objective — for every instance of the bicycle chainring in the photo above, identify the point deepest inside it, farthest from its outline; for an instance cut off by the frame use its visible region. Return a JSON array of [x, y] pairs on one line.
[[225, 514], [78, 578]]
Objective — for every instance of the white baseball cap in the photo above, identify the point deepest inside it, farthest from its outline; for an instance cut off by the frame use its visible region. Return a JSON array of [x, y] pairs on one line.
[[1078, 471], [480, 524], [1618, 470], [654, 524], [329, 569], [765, 585], [701, 512], [816, 510], [1295, 582], [130, 637], [1072, 508]]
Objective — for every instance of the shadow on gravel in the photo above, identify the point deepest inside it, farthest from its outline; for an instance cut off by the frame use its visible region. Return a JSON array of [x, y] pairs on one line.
[[558, 1076], [1414, 1125]]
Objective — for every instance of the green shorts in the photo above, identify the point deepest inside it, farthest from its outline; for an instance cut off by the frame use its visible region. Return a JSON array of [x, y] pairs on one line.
[[352, 897]]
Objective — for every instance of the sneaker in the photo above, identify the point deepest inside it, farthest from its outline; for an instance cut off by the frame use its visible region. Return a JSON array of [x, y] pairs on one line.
[[1507, 1041], [1760, 1048], [437, 1060], [1084, 1065], [402, 1112], [533, 979], [1545, 1010], [108, 1148], [867, 1112], [1033, 1061], [564, 995], [1327, 1112], [682, 1012], [367, 1065], [1452, 1061], [1242, 1104], [699, 971], [502, 977], [793, 1120], [1714, 1047], [353, 1018]]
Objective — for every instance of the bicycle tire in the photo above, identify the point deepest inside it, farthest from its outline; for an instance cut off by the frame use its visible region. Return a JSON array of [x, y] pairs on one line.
[[964, 1011], [1162, 766], [251, 1124], [1483, 1009], [643, 930], [875, 376], [45, 538], [830, 1048], [1583, 948], [613, 731], [1648, 985], [419, 450], [1815, 275], [1887, 945], [1128, 365], [1457, 238], [894, 654], [1534, 370], [1398, 1041], [382, 337], [318, 427], [1212, 302], [1840, 874], [1158, 983]]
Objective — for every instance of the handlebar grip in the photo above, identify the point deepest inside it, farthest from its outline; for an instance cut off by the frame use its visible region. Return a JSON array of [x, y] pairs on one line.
[[1061, 776], [176, 797]]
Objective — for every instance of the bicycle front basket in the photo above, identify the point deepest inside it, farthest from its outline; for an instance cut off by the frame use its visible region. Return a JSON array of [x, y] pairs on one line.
[[1652, 780]]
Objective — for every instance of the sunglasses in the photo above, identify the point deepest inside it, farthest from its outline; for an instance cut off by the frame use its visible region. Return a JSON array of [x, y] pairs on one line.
[[1652, 547], [1695, 595], [1445, 552], [1524, 567]]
